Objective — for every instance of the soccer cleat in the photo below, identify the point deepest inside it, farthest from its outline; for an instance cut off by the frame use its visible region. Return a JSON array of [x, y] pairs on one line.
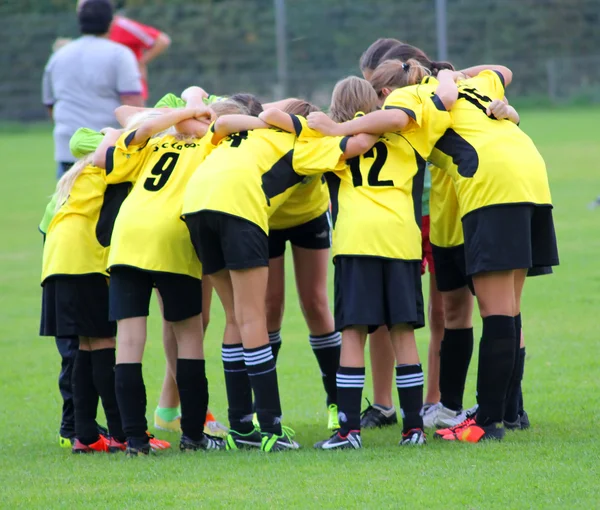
[[65, 442], [167, 426], [255, 421], [206, 443], [524, 418], [140, 451], [372, 417], [442, 433], [238, 441], [333, 422], [475, 433], [274, 443], [115, 446], [521, 423], [351, 441], [413, 437], [101, 445], [157, 444], [212, 427], [439, 416]]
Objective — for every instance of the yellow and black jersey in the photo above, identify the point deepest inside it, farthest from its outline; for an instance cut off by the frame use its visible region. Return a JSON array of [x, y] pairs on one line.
[[492, 161], [375, 198], [243, 175], [444, 214], [309, 200], [78, 236], [149, 233]]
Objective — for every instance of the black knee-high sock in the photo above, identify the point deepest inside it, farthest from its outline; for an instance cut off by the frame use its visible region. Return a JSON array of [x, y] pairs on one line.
[[513, 395], [496, 360], [239, 390], [409, 381], [327, 350], [275, 343], [131, 396], [350, 384], [85, 398], [263, 378], [455, 357], [103, 363], [193, 394]]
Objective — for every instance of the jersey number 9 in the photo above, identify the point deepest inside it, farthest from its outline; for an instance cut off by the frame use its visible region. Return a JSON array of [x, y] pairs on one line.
[[162, 170], [379, 152]]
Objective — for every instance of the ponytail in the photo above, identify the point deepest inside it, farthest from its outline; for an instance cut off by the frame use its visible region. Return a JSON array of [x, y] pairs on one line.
[[405, 52], [396, 74], [436, 67]]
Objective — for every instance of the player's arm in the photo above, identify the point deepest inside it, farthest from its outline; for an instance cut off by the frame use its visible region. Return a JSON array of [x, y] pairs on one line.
[[194, 96], [280, 105], [447, 91], [505, 72], [229, 124], [124, 112], [357, 145], [279, 119], [161, 44], [157, 124], [500, 109], [110, 138], [376, 123]]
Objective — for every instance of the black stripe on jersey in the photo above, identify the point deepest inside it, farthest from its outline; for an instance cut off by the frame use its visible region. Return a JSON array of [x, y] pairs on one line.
[[501, 76], [417, 188], [110, 162], [280, 177], [438, 103], [130, 137], [297, 124], [471, 95], [114, 196], [463, 154], [408, 111], [343, 143], [333, 183]]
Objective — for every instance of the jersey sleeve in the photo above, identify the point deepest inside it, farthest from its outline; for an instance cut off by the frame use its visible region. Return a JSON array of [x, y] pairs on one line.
[[315, 153], [48, 98], [407, 101], [124, 160], [145, 34], [489, 82], [48, 215], [129, 80]]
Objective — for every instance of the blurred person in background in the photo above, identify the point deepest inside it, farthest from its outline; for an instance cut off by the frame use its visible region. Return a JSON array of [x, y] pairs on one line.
[[145, 41], [84, 81]]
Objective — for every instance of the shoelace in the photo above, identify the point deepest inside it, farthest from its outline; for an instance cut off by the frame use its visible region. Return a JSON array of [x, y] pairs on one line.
[[457, 429], [288, 432], [367, 410]]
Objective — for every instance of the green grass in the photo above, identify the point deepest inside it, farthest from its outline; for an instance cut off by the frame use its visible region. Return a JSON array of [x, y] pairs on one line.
[[554, 465]]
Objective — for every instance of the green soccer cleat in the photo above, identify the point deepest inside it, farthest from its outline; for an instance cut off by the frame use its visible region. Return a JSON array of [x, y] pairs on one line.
[[238, 441], [333, 422], [65, 442], [274, 443]]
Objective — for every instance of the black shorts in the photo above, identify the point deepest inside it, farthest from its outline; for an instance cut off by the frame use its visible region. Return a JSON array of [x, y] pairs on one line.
[[131, 290], [450, 268], [223, 241], [312, 235], [373, 291], [76, 305], [511, 236], [539, 271]]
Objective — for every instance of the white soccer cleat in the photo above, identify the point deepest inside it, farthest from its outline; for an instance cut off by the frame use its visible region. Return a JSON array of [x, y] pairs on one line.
[[439, 416]]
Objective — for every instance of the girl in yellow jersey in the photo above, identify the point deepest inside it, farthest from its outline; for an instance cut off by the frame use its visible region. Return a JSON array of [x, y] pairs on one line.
[[151, 247], [376, 203], [75, 294], [304, 220], [505, 205]]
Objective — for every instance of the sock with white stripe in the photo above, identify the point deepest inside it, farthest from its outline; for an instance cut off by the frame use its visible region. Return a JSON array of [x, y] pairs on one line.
[[275, 343], [260, 364], [239, 391], [350, 383], [327, 351], [409, 381]]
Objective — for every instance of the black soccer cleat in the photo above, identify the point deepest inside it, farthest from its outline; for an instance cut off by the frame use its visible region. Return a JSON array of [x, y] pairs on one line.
[[351, 441], [521, 423], [206, 443], [372, 418]]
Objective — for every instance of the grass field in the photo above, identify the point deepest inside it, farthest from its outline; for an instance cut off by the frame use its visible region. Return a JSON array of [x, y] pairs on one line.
[[553, 465]]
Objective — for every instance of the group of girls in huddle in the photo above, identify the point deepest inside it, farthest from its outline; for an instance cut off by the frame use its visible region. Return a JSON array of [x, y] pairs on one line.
[[183, 196]]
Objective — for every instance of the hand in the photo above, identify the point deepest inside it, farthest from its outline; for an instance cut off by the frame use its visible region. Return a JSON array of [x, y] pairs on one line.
[[322, 123], [199, 113], [193, 91], [499, 109]]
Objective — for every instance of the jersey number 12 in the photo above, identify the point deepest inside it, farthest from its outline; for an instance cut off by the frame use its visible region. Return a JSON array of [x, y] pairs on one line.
[[379, 152]]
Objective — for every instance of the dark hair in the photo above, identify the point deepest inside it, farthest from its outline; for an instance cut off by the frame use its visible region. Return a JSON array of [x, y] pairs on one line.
[[95, 17], [404, 52], [396, 74], [250, 101], [372, 56], [299, 107]]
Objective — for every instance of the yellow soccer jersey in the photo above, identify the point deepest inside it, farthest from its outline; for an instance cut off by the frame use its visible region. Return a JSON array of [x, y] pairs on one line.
[[242, 174], [493, 161], [149, 233], [375, 198], [78, 237], [445, 223], [309, 200]]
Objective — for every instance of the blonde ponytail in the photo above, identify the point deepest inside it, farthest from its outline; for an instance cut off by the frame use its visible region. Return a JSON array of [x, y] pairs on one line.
[[65, 184], [395, 74]]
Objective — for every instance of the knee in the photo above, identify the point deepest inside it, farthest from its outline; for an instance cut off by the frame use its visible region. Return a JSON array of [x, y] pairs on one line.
[[315, 306], [274, 305], [436, 317]]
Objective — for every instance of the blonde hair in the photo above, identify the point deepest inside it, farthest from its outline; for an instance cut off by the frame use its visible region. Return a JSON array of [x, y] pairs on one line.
[[299, 107], [352, 95], [65, 183], [396, 74], [229, 107]]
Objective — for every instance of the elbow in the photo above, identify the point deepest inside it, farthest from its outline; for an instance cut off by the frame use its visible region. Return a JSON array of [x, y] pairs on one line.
[[448, 99], [164, 40], [508, 75]]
